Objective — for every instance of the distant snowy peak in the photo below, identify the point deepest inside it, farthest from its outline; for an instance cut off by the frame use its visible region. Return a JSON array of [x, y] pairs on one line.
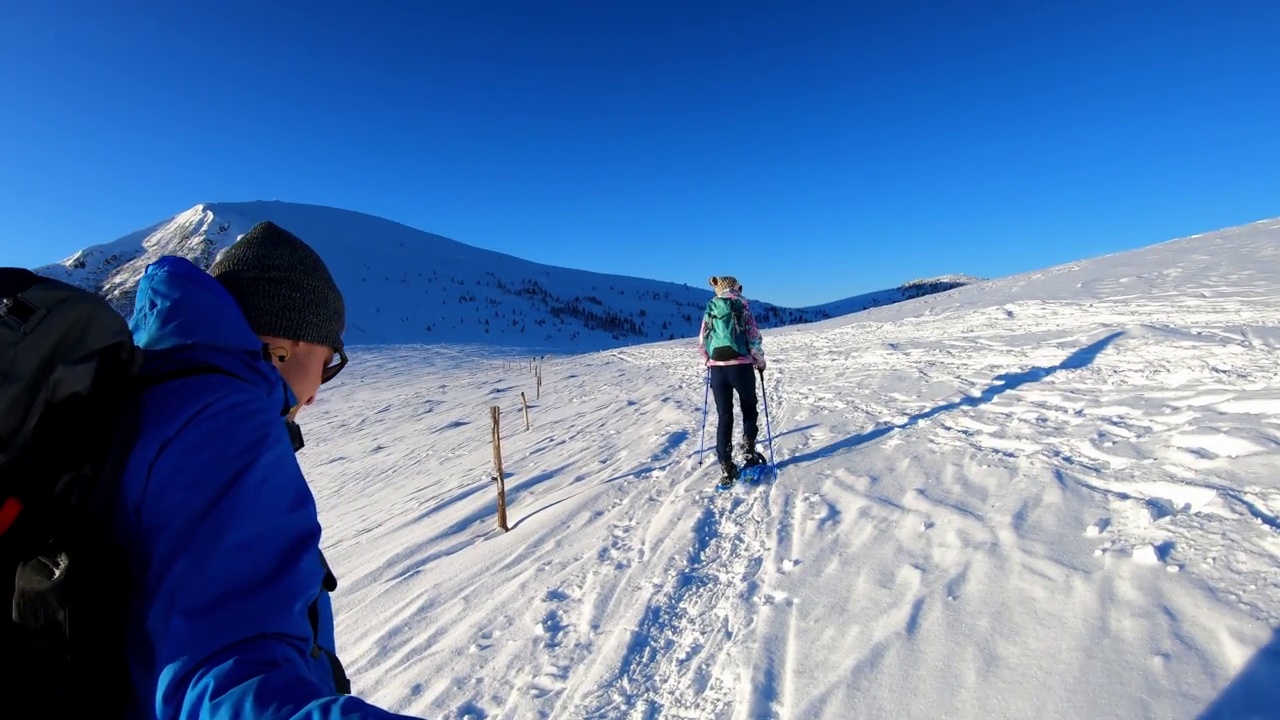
[[113, 269], [404, 285]]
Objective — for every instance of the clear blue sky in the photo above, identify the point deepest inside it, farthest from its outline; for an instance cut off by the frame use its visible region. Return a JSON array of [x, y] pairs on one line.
[[815, 150]]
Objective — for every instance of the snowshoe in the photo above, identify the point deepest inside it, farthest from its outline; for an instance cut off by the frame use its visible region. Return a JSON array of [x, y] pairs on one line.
[[757, 474]]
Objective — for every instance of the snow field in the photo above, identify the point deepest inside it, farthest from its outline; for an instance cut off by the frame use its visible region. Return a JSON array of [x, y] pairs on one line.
[[990, 504]]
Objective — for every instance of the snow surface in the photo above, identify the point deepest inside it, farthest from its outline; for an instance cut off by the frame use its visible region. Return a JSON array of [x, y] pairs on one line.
[[1053, 495], [403, 285]]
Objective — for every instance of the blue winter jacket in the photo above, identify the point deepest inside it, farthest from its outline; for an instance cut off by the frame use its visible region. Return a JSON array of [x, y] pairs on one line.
[[219, 525]]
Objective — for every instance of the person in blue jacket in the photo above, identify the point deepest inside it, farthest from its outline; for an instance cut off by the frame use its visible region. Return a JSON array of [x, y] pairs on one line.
[[229, 612]]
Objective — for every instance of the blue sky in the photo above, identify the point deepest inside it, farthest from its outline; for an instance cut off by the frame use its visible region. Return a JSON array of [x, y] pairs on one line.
[[815, 150]]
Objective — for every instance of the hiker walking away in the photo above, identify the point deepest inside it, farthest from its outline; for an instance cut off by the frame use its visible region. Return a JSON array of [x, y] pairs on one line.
[[225, 609], [731, 348]]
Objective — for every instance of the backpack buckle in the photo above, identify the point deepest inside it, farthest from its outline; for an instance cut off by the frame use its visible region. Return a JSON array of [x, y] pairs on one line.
[[19, 309]]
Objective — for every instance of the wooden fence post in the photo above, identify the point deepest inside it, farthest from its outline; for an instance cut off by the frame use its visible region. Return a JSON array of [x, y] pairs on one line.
[[525, 403], [495, 413]]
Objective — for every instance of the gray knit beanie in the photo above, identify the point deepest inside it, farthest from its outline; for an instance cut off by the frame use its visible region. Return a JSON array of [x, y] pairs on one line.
[[282, 286]]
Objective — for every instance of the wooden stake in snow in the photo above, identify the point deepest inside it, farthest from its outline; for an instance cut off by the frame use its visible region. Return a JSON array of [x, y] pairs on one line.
[[525, 403], [495, 413]]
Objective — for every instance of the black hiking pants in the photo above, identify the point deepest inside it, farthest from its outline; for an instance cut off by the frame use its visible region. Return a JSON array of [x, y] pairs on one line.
[[725, 379]]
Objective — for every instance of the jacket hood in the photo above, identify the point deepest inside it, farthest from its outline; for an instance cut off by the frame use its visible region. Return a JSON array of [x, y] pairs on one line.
[[183, 317]]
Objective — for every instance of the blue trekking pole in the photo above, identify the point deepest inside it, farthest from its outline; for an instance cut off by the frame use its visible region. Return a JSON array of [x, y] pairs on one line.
[[705, 397], [767, 427]]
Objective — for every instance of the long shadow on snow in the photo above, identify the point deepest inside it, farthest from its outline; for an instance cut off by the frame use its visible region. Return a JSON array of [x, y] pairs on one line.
[[674, 441], [709, 439], [1081, 358], [413, 559], [521, 520], [1254, 694], [669, 445]]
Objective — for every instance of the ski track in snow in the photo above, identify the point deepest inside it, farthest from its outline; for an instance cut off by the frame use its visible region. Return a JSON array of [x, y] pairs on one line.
[[990, 503]]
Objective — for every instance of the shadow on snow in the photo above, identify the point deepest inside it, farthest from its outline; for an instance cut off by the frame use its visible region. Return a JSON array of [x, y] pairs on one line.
[[1254, 694], [1081, 358]]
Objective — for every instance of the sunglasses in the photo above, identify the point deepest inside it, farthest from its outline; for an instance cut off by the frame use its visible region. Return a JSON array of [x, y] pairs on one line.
[[336, 363]]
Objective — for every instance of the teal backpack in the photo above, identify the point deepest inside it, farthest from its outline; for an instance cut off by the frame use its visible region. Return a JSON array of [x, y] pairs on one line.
[[727, 331]]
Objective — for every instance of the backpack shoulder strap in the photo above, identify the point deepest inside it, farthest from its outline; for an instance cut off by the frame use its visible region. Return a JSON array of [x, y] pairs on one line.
[[327, 585]]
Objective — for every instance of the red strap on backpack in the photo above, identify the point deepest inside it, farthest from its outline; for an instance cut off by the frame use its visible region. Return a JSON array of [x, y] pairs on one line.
[[8, 513]]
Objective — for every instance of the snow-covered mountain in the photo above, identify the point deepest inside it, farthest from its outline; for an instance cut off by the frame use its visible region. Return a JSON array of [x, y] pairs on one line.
[[1052, 495], [404, 285]]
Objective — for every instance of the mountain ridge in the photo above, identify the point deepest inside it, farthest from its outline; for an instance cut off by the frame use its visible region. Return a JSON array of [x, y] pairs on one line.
[[410, 286]]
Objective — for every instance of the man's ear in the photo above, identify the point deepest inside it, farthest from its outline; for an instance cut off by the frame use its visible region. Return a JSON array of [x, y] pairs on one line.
[[277, 349]]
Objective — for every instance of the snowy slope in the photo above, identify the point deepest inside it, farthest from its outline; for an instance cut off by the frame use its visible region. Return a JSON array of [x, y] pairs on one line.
[[1052, 496], [406, 286]]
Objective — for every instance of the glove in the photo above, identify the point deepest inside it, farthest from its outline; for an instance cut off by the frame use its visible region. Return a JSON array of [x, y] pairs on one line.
[[760, 365]]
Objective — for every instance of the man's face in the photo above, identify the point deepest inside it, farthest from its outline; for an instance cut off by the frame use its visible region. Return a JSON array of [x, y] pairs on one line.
[[305, 367]]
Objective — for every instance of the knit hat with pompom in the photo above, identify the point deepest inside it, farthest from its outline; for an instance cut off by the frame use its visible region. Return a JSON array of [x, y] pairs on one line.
[[725, 283]]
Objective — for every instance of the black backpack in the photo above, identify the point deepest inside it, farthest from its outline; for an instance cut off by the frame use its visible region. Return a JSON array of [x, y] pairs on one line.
[[69, 379]]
